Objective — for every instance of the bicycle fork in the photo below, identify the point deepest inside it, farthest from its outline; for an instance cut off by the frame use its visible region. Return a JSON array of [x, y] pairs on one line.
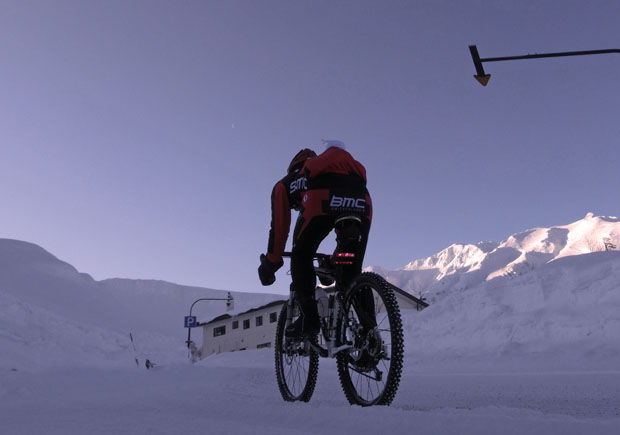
[[329, 326], [290, 308]]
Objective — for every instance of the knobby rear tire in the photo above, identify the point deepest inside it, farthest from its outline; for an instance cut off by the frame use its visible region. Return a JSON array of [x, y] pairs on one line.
[[296, 372], [357, 382]]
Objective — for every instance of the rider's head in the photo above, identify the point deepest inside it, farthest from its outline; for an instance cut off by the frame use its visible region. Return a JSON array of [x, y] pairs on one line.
[[299, 160]]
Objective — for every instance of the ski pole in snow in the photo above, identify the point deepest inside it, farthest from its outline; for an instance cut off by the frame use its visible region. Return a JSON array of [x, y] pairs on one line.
[[135, 351]]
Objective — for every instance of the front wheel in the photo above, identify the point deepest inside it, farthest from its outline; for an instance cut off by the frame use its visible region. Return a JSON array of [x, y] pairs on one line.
[[370, 322], [297, 364]]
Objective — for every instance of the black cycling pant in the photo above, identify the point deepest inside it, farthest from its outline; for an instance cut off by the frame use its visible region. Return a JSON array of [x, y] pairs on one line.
[[305, 246]]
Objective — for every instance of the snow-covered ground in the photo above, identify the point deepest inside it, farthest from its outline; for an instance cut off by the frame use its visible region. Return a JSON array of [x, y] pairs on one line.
[[521, 337], [236, 394]]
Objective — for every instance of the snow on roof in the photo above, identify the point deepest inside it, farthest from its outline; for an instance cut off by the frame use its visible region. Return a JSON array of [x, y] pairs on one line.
[[228, 316], [408, 295]]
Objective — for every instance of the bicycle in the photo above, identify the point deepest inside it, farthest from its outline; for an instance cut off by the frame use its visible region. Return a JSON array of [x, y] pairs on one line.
[[369, 360]]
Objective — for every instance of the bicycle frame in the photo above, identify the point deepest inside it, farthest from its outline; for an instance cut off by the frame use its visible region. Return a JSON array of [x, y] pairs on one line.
[[324, 270]]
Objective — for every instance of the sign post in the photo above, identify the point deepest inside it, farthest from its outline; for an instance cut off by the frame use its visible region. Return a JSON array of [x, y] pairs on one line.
[[190, 321]]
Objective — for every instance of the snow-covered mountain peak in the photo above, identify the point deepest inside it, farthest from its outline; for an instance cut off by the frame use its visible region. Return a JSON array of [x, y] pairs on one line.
[[456, 257], [541, 245], [462, 266]]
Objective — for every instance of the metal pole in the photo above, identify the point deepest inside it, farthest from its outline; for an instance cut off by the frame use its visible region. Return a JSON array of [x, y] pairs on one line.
[[476, 58], [189, 330], [541, 55], [483, 78]]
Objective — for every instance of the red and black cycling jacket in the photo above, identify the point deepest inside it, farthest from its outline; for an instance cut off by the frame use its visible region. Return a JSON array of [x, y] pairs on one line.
[[286, 195], [331, 183], [336, 185]]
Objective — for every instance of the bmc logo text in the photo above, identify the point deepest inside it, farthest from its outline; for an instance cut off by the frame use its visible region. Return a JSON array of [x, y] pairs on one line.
[[299, 184], [345, 202]]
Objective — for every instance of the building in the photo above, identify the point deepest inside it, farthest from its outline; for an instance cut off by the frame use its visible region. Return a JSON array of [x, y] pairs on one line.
[[256, 328], [253, 329]]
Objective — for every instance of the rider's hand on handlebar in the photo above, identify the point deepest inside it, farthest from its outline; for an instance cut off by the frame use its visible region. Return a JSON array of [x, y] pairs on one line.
[[267, 270]]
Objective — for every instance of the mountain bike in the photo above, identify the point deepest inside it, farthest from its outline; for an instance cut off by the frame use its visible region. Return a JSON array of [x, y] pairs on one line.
[[369, 360]]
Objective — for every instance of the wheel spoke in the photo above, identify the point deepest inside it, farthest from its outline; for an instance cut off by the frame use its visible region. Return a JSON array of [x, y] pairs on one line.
[[378, 309]]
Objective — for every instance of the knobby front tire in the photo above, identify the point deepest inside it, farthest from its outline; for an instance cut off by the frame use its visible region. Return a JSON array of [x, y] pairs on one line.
[[297, 366], [370, 371]]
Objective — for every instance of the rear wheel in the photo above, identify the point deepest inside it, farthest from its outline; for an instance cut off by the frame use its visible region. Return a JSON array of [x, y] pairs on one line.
[[297, 364], [370, 371]]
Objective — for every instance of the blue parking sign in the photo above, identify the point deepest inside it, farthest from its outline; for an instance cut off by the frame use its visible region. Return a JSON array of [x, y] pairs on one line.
[[190, 321]]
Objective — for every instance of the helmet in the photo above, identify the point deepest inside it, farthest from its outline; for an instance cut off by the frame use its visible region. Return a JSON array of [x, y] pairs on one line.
[[299, 159], [334, 143]]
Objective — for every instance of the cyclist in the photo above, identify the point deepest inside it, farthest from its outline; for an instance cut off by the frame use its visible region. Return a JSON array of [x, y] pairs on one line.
[[323, 188]]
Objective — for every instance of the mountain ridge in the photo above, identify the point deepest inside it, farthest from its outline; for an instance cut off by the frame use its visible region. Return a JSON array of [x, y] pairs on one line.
[[461, 266]]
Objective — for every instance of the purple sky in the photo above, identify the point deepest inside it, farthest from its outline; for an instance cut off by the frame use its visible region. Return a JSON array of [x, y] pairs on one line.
[[142, 139]]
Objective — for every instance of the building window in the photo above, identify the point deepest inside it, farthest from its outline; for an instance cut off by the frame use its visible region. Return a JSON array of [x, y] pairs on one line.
[[235, 324], [260, 346], [273, 317], [259, 320], [220, 330], [246, 323]]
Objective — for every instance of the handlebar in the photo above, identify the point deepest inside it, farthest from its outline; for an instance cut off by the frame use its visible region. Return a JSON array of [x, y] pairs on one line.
[[325, 270], [317, 256]]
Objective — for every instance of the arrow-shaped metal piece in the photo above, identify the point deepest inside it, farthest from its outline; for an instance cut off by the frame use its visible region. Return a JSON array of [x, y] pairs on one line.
[[480, 74]]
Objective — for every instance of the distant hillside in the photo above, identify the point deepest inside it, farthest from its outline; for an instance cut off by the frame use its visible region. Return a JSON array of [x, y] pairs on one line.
[[51, 312]]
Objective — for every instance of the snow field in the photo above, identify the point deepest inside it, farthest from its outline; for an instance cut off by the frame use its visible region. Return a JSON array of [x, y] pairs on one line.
[[236, 393], [563, 315]]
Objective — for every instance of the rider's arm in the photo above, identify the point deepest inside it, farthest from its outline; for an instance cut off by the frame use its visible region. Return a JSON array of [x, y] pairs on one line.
[[280, 222]]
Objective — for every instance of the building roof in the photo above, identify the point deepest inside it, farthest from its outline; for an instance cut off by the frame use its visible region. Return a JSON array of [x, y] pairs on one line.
[[228, 316], [282, 301], [398, 291], [408, 295]]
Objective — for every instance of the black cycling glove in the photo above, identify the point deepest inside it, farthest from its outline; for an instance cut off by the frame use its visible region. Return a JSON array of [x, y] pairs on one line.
[[267, 270]]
